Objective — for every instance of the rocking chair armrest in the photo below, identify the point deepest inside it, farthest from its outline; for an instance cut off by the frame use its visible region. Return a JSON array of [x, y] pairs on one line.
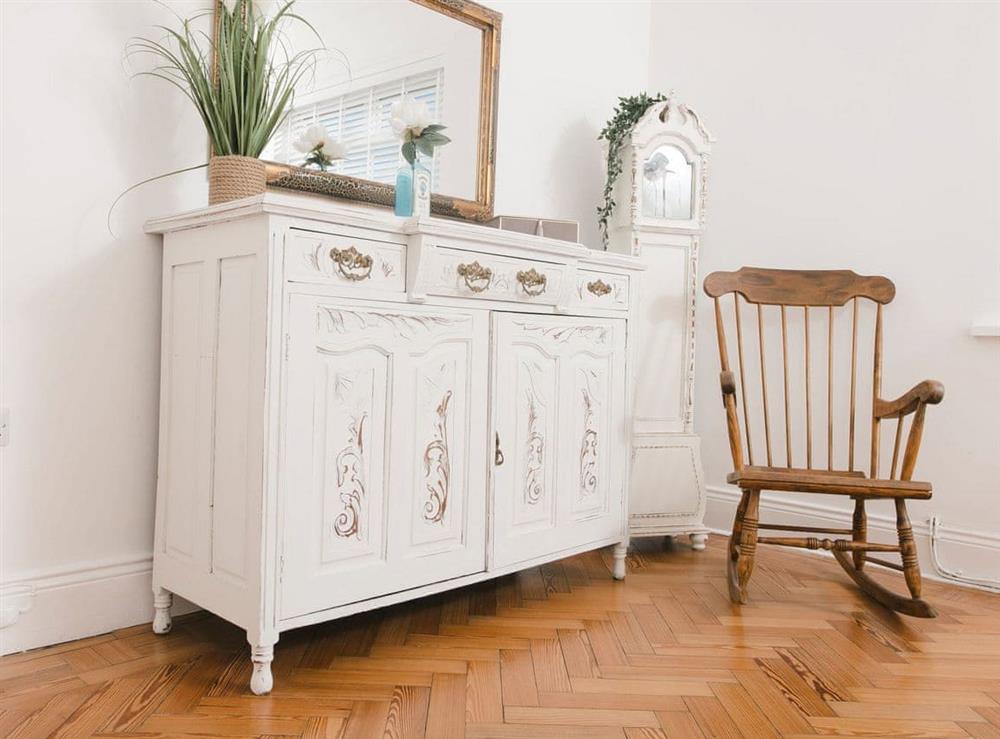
[[928, 392], [728, 381]]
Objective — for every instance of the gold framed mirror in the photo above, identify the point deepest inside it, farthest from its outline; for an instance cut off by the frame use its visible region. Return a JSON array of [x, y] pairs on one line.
[[443, 53]]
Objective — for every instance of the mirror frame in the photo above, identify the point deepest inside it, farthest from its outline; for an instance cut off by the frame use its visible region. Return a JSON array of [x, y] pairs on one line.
[[291, 177]]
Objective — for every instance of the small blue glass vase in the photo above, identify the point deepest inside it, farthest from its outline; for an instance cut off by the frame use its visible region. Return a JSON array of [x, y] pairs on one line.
[[404, 191]]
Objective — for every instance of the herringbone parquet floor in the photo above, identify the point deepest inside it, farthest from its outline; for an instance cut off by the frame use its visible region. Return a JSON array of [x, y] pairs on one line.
[[559, 651]]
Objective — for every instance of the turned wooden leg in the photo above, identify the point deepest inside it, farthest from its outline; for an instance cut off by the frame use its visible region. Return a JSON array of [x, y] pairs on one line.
[[618, 570], [698, 542], [734, 539], [262, 654], [162, 600], [748, 543], [860, 531], [908, 549]]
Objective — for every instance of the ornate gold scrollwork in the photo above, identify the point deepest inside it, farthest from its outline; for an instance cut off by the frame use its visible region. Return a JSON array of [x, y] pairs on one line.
[[598, 287], [352, 264], [532, 282], [477, 277]]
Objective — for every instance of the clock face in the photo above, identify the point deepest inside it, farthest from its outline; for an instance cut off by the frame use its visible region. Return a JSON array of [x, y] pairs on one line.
[[667, 184]]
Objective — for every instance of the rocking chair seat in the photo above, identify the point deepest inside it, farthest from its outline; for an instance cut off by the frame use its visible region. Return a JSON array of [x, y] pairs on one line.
[[822, 481]]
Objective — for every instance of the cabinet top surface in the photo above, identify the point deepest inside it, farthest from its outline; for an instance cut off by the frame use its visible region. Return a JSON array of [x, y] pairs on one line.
[[308, 208]]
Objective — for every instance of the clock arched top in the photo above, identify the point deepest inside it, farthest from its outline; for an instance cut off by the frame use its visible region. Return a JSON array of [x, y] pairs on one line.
[[672, 122], [669, 149]]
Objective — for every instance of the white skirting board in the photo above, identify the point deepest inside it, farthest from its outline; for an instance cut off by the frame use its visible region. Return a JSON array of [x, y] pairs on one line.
[[974, 553], [72, 603]]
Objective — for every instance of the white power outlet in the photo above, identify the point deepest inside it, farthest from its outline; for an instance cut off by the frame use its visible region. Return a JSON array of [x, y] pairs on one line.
[[4, 426]]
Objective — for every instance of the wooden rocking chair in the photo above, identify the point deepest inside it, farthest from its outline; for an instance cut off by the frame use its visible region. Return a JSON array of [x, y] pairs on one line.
[[794, 293]]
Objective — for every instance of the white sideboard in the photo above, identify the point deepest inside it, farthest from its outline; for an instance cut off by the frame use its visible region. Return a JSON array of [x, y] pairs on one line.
[[358, 409]]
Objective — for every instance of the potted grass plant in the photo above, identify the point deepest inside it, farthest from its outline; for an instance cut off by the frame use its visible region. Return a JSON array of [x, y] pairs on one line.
[[241, 81]]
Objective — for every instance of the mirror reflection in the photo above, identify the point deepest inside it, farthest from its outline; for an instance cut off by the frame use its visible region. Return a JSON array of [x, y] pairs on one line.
[[667, 185], [385, 52]]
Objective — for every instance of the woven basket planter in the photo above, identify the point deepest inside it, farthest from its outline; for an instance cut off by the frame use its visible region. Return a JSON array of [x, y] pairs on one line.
[[235, 177]]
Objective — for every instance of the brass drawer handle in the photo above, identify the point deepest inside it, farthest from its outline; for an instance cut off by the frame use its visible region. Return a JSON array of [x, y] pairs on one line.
[[599, 287], [497, 453], [477, 277], [532, 282], [352, 264]]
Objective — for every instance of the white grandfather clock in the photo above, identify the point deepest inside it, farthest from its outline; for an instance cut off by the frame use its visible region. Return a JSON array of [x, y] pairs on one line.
[[660, 216]]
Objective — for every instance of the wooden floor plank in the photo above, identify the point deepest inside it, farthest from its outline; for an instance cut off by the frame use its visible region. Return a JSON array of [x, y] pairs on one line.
[[407, 717], [483, 693], [550, 669], [446, 714], [517, 678]]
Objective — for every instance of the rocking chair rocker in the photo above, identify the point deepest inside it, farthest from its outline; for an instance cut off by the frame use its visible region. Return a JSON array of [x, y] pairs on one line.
[[799, 291]]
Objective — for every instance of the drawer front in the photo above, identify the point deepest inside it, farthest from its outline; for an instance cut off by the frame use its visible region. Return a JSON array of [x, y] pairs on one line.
[[346, 261], [466, 274], [601, 290]]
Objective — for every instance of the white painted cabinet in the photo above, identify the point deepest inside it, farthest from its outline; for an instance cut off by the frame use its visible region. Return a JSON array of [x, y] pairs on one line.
[[358, 410], [559, 420]]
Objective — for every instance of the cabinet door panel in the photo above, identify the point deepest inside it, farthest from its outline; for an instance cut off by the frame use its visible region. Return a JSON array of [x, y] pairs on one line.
[[383, 474], [590, 405], [558, 410], [348, 466], [525, 416], [439, 419]]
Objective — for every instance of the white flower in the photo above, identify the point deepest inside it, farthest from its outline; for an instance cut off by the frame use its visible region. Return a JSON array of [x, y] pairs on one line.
[[230, 4], [409, 118], [317, 137]]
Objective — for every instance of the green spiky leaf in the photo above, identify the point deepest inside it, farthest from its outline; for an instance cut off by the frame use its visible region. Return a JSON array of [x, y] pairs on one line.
[[242, 83]]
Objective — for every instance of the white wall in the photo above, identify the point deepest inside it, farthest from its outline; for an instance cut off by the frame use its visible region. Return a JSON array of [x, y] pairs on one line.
[[81, 307], [80, 354], [865, 136]]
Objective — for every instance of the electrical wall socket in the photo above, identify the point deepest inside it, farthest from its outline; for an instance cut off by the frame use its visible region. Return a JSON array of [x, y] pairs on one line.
[[4, 426]]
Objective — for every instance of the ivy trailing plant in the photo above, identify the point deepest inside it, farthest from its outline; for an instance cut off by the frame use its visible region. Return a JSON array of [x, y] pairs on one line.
[[616, 130]]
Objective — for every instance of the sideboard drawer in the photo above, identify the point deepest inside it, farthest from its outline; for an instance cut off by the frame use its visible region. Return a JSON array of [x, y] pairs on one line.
[[601, 290], [466, 274], [345, 261]]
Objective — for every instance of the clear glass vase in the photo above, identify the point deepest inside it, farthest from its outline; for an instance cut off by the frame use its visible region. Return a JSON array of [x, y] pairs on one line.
[[422, 187]]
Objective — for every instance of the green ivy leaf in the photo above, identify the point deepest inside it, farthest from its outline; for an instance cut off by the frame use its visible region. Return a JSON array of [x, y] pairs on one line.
[[627, 113]]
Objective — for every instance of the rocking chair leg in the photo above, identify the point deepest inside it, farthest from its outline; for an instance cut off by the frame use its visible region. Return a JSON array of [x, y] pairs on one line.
[[733, 550], [908, 549], [734, 540], [912, 606], [743, 564], [860, 531]]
